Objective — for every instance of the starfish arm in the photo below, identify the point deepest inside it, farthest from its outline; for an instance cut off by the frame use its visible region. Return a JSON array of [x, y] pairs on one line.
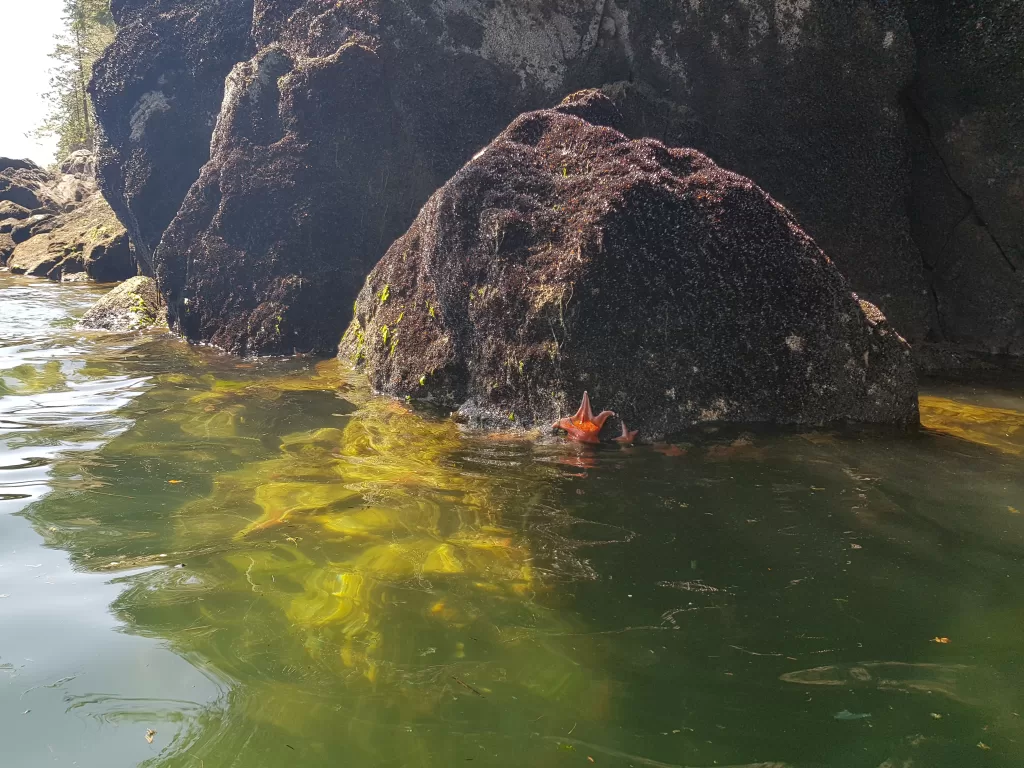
[[584, 414], [601, 418], [627, 437], [565, 424]]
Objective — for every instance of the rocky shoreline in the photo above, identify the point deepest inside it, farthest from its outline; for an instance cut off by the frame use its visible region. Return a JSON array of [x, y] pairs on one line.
[[58, 225]]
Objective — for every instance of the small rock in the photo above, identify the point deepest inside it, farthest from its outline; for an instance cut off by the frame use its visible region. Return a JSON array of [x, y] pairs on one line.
[[131, 306], [9, 210]]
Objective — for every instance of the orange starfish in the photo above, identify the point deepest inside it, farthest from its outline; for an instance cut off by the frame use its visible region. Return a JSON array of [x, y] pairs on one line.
[[628, 436], [584, 427]]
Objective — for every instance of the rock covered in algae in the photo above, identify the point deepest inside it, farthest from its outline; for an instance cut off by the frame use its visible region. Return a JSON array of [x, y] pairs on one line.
[[566, 257], [134, 304]]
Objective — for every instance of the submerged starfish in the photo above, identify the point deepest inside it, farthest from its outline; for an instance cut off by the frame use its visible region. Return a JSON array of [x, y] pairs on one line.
[[628, 436], [584, 427]]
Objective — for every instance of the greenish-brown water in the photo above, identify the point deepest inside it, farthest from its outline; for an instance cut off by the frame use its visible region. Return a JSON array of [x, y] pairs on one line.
[[258, 563]]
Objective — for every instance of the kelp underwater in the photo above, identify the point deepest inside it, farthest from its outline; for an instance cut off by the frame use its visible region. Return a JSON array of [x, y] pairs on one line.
[[356, 581]]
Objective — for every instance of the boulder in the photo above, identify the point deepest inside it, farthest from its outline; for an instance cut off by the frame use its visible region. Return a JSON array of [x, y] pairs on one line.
[[37, 190], [88, 239], [81, 162], [133, 305], [10, 163], [157, 91], [36, 224], [9, 210], [6, 246], [566, 257], [24, 188]]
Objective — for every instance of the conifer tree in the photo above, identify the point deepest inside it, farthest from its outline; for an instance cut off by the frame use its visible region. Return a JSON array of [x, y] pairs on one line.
[[88, 30]]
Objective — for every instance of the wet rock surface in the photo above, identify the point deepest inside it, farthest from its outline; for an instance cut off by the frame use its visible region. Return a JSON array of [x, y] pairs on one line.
[[567, 257], [133, 305]]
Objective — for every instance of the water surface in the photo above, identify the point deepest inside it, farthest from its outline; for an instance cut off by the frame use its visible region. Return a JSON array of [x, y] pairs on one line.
[[257, 563]]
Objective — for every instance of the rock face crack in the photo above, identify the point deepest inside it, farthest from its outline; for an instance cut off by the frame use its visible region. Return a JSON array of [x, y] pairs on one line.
[[973, 207]]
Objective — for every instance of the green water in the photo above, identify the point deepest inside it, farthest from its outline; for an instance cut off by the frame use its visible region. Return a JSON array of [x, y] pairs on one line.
[[267, 566]]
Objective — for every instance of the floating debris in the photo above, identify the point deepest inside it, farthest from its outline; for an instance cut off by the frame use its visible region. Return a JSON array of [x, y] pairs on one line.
[[691, 586], [468, 687], [848, 715]]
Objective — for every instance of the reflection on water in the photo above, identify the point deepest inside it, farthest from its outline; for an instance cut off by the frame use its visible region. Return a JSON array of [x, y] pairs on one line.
[[266, 566]]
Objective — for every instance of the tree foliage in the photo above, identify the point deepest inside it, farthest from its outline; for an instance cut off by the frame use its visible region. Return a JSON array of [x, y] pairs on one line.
[[88, 30]]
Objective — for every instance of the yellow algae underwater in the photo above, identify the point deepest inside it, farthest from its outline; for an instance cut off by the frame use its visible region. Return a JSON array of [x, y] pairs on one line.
[[998, 428]]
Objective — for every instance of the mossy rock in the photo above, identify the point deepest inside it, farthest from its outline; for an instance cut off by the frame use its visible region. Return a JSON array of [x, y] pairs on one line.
[[133, 305]]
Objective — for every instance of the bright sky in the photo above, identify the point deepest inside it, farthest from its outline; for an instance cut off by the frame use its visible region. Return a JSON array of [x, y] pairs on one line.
[[26, 37]]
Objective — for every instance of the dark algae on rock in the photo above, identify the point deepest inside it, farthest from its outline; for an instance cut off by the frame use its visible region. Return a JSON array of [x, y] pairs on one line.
[[966, 116], [566, 257], [265, 155]]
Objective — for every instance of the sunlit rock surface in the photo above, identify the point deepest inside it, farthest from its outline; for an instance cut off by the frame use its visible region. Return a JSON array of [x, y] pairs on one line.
[[566, 257], [58, 225], [88, 241], [133, 305]]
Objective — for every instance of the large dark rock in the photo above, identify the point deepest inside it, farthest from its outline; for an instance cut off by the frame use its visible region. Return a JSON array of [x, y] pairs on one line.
[[157, 91], [566, 257], [323, 154], [966, 107]]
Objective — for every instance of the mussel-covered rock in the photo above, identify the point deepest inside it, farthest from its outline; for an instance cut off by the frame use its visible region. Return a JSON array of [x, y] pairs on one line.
[[566, 257]]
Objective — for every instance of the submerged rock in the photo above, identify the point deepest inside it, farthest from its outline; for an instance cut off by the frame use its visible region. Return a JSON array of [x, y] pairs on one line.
[[133, 305], [567, 257]]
